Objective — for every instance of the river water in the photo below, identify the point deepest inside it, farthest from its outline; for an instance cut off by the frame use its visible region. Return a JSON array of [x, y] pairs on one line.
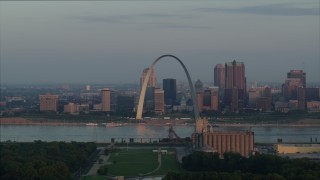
[[30, 133]]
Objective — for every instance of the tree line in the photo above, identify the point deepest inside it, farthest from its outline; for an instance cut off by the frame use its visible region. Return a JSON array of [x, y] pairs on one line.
[[43, 160], [203, 165]]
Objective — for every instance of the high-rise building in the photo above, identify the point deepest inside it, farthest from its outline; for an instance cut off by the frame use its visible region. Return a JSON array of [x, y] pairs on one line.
[[235, 75], [48, 102], [125, 103], [297, 74], [302, 99], [260, 97], [170, 91], [106, 99], [149, 99], [219, 76], [158, 101], [152, 80], [235, 85], [87, 87], [198, 86], [290, 88], [207, 100], [312, 94]]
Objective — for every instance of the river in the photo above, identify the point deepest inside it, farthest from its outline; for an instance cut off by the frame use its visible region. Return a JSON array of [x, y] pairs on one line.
[[30, 133]]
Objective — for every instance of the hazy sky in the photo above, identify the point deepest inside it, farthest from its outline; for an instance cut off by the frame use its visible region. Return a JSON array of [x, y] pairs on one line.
[[112, 41]]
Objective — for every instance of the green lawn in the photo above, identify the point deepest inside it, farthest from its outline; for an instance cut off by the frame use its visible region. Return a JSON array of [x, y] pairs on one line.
[[93, 178], [132, 162], [169, 163]]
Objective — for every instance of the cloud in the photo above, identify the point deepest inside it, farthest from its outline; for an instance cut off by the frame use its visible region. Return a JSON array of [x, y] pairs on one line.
[[158, 20], [105, 19], [271, 9]]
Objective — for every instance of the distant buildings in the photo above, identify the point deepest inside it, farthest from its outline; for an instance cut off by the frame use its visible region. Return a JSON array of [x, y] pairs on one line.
[[159, 101], [125, 104], [297, 74], [208, 100], [219, 76], [290, 88], [70, 108], [198, 86], [149, 99], [105, 99], [260, 98], [170, 91], [294, 89], [152, 80], [108, 100], [302, 99], [48, 102], [87, 87], [235, 85]]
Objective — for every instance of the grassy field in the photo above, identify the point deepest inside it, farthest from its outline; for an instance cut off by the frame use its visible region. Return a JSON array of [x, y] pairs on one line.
[[169, 163], [132, 162], [135, 162], [93, 178]]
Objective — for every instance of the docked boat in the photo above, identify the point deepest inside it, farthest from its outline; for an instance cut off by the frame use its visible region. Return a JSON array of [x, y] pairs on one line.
[[91, 124], [112, 124]]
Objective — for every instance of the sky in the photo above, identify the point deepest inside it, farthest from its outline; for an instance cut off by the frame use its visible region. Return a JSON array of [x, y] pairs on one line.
[[113, 41]]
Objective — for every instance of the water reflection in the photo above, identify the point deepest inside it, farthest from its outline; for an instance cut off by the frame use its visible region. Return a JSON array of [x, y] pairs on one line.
[[29, 133]]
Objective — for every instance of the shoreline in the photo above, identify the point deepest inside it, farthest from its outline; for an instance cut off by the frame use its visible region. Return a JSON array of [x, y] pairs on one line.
[[24, 121]]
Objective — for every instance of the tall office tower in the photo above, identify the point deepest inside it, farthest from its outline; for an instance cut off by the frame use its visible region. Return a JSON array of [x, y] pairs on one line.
[[149, 99], [158, 101], [302, 99], [125, 103], [297, 74], [152, 80], [106, 99], [312, 94], [290, 88], [198, 86], [48, 102], [87, 87], [170, 91], [219, 76], [235, 75], [268, 95], [235, 81]]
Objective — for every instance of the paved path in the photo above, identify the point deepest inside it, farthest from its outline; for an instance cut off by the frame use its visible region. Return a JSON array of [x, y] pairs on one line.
[[181, 152], [96, 165], [159, 166]]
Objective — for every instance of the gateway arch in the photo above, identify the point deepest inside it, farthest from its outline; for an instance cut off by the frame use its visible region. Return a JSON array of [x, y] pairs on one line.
[[145, 83]]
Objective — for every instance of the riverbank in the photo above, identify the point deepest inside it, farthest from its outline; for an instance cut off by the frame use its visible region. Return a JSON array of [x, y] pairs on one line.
[[25, 121]]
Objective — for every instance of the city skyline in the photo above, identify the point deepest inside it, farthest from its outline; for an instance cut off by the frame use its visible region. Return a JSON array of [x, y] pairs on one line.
[[112, 42]]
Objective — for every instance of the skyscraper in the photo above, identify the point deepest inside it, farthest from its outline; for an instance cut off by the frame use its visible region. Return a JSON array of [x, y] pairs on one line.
[[158, 101], [105, 99], [290, 88], [235, 75], [297, 74], [152, 80], [235, 85], [149, 99], [170, 91], [219, 76], [198, 86], [302, 99]]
